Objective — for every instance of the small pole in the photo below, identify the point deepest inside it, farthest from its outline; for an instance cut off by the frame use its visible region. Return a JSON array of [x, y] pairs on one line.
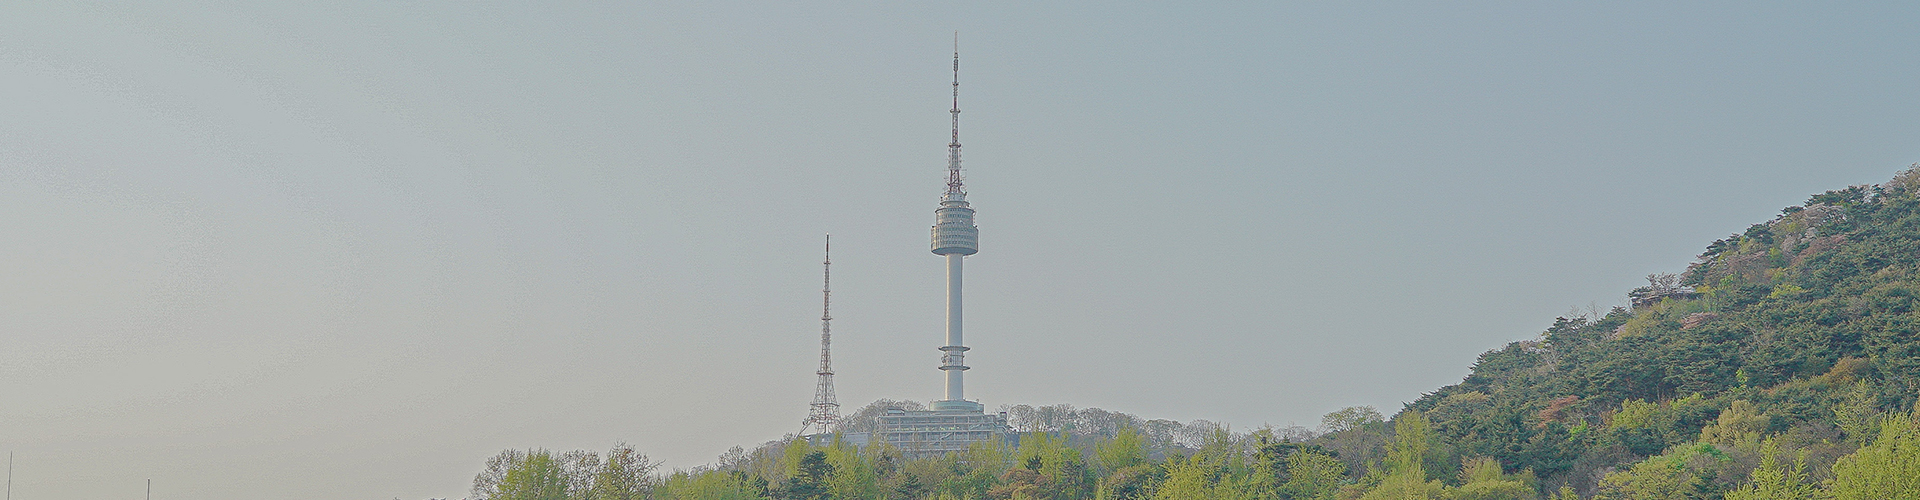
[[9, 475], [149, 488]]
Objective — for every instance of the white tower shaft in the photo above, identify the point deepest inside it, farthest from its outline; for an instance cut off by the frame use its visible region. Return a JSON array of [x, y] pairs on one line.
[[954, 362]]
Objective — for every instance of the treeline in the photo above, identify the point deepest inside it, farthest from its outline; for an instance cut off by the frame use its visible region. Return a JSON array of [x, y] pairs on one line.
[[1783, 364], [1096, 452], [1413, 463]]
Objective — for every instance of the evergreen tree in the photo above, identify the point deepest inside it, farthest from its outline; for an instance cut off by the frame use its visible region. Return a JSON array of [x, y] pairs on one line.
[[810, 483]]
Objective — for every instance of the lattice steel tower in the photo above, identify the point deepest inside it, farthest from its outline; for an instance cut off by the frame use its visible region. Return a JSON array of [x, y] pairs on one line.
[[954, 237], [825, 414]]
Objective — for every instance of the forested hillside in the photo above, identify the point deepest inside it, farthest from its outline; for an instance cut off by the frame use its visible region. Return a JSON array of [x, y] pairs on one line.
[[1781, 364]]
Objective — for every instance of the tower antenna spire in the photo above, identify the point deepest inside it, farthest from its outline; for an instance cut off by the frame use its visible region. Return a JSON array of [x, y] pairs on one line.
[[825, 412], [953, 148]]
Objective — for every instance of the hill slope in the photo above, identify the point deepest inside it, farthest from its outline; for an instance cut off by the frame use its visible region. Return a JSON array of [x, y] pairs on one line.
[[1804, 325]]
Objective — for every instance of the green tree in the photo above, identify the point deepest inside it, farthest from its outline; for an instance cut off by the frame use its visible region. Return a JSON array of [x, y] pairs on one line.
[[854, 474], [1888, 469], [909, 486], [1312, 475], [710, 485], [980, 468], [1187, 479], [1741, 422], [1127, 449], [1856, 415], [1482, 479], [1349, 418], [1129, 483], [536, 475], [1064, 467], [626, 475], [1406, 476], [810, 481], [1774, 480], [1665, 477]]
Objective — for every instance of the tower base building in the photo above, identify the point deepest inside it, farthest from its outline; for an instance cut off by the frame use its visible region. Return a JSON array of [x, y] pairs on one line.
[[938, 432], [927, 433]]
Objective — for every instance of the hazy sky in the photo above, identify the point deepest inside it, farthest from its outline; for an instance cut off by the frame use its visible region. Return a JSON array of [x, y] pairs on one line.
[[352, 249]]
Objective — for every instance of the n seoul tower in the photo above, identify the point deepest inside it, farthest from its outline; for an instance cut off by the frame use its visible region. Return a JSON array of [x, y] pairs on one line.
[[955, 237]]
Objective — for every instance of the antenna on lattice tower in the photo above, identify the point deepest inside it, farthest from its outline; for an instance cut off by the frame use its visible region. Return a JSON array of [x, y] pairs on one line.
[[953, 148], [825, 412]]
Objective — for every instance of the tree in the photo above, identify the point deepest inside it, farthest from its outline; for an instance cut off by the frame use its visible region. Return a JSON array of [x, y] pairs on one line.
[[486, 484], [810, 481], [1127, 449], [1312, 475], [1776, 481], [1888, 469], [626, 475], [1665, 477], [1406, 477], [1349, 418], [1024, 484], [1856, 416], [578, 468], [853, 474], [534, 475], [1188, 479], [1129, 483], [710, 485], [1062, 468], [1482, 479]]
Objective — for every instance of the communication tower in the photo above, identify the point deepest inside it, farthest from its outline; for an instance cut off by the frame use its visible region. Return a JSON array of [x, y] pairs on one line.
[[825, 413], [955, 237]]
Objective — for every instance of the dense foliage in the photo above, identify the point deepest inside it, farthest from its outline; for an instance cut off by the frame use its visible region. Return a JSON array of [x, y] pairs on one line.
[[1783, 364]]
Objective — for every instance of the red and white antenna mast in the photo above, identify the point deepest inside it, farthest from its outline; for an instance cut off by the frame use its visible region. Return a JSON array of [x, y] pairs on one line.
[[953, 148], [824, 416]]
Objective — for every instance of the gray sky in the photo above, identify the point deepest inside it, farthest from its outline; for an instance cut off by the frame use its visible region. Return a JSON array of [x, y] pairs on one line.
[[350, 250]]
